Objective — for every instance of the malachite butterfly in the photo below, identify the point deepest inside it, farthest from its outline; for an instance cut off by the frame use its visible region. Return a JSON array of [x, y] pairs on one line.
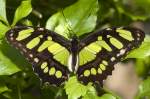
[[90, 58]]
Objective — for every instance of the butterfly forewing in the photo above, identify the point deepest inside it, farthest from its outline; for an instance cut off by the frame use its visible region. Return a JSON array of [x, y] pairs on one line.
[[100, 51], [45, 50]]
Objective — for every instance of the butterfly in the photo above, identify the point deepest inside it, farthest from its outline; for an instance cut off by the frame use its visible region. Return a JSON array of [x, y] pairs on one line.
[[91, 58]]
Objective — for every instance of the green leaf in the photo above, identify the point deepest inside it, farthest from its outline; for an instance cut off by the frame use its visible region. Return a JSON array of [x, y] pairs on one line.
[[7, 67], [132, 15], [22, 11], [3, 11], [74, 89], [78, 18], [107, 96], [3, 29], [143, 5], [27, 22], [91, 94], [141, 52], [144, 88], [3, 87], [136, 17], [9, 59], [7, 95], [140, 67]]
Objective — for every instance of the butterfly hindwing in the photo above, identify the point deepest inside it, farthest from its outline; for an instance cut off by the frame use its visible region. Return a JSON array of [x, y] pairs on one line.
[[44, 50], [100, 51]]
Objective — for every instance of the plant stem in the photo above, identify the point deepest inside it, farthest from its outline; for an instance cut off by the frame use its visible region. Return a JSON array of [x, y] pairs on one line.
[[19, 93]]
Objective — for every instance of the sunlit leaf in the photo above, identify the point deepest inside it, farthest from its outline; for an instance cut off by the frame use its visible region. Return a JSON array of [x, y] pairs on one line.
[[3, 87], [136, 17], [22, 11], [11, 61], [3, 11], [141, 52], [144, 88], [91, 94], [107, 96], [140, 67], [74, 89], [3, 29], [78, 18], [27, 22]]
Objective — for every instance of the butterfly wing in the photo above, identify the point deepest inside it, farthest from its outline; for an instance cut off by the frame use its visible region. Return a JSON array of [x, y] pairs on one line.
[[100, 51], [44, 50]]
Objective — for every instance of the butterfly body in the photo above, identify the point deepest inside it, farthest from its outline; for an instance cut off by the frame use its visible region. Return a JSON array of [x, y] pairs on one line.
[[91, 58], [74, 53]]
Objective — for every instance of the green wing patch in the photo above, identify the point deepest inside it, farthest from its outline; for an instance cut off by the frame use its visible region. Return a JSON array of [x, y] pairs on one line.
[[24, 34], [125, 34]]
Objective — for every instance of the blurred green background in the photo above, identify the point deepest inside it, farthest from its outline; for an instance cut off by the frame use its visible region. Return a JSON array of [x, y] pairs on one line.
[[130, 79]]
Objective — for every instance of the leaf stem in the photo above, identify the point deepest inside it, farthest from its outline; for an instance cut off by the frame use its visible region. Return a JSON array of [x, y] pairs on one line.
[[19, 93]]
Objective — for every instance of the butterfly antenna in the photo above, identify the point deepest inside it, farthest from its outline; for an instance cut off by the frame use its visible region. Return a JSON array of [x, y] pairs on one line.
[[72, 33], [38, 15]]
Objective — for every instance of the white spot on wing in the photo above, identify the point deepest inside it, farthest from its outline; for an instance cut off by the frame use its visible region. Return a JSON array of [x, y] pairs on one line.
[[138, 39], [108, 29], [24, 50], [11, 34], [11, 38], [138, 34], [21, 52], [19, 45], [118, 54], [41, 29], [108, 36], [113, 59], [122, 51], [36, 60], [31, 55]]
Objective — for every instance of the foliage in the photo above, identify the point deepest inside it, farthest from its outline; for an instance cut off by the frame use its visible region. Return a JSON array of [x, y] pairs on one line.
[[143, 50], [62, 23], [79, 17], [144, 89], [74, 89], [26, 8]]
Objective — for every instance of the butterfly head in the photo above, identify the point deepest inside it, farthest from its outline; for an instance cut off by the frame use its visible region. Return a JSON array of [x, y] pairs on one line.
[[74, 39]]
